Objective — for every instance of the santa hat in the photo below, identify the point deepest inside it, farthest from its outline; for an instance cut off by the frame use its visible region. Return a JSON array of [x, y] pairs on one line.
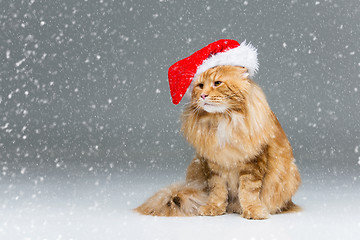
[[222, 52]]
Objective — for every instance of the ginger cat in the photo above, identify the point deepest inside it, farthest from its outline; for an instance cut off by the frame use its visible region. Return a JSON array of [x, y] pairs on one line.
[[244, 162]]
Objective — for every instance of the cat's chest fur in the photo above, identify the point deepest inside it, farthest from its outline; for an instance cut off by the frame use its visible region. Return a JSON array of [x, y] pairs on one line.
[[224, 140], [227, 130]]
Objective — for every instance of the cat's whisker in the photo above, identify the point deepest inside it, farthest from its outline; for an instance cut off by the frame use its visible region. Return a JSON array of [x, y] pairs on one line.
[[197, 109], [230, 96], [228, 111]]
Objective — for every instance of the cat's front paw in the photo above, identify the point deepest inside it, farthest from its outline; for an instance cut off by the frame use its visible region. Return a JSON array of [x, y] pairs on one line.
[[255, 212], [212, 210]]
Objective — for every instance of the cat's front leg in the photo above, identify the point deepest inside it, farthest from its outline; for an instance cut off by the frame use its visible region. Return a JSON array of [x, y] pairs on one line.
[[249, 196], [217, 201]]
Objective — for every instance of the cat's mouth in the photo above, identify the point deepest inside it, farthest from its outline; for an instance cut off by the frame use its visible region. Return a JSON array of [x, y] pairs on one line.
[[213, 108]]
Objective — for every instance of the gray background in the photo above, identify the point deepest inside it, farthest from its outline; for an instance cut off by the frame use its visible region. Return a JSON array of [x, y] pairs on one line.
[[84, 97]]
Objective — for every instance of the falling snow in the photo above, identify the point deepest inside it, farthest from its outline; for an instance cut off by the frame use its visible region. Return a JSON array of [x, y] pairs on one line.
[[88, 130]]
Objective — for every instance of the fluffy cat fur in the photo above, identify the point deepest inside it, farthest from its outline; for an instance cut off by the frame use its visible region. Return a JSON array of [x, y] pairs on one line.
[[244, 162]]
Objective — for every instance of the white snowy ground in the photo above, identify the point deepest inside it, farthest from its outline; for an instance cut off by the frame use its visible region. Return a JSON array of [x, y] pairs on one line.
[[100, 208]]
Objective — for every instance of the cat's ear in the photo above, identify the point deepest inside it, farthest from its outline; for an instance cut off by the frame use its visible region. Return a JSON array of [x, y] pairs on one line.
[[245, 75], [243, 71]]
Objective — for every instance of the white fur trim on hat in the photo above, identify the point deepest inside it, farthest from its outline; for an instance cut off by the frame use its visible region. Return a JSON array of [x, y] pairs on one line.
[[244, 55]]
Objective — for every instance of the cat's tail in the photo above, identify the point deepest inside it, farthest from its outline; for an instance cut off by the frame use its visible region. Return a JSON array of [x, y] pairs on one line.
[[181, 199]]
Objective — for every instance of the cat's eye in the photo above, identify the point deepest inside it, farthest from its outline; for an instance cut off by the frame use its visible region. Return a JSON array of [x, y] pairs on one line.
[[201, 86], [217, 83]]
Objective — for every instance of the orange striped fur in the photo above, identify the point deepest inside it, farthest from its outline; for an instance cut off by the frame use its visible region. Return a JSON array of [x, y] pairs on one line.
[[244, 162]]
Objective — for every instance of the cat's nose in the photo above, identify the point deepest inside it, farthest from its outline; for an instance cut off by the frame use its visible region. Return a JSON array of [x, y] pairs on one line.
[[203, 96]]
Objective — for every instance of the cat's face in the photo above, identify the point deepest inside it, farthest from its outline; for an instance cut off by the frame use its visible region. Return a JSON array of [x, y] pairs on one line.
[[220, 89]]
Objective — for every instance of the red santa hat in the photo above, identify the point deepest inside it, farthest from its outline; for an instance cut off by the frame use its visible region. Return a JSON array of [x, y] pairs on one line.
[[222, 52]]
